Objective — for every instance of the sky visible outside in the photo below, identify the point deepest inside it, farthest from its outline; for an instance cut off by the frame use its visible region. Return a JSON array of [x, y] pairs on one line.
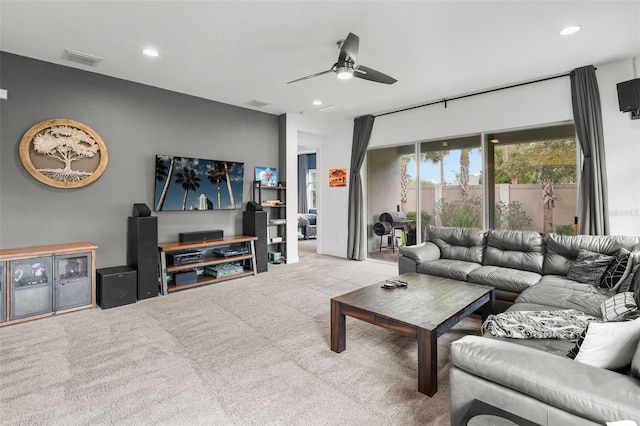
[[431, 171]]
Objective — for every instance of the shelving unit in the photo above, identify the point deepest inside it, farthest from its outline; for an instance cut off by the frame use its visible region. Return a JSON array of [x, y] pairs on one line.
[[37, 282], [248, 261], [273, 200]]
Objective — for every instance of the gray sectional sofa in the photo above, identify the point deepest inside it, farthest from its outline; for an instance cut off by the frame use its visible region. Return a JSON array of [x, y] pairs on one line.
[[532, 378]]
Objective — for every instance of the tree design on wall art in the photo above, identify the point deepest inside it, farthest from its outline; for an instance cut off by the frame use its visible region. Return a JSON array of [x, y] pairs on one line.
[[63, 153]]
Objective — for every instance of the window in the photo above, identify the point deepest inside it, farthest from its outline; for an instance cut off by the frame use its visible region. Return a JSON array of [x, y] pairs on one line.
[[534, 179], [312, 189], [450, 183], [520, 180]]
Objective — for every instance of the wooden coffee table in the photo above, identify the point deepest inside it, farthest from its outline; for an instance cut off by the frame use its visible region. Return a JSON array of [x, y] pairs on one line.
[[426, 309]]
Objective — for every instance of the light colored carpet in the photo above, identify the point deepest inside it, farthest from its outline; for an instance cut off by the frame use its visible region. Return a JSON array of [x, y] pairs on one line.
[[249, 351]]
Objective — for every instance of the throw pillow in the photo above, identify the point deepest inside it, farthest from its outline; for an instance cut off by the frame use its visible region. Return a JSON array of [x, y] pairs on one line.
[[635, 285], [609, 345], [617, 271], [635, 363], [589, 267], [627, 283], [615, 307]]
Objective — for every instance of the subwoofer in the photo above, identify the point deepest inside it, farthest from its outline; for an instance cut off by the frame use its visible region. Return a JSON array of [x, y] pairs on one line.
[[116, 286], [142, 254]]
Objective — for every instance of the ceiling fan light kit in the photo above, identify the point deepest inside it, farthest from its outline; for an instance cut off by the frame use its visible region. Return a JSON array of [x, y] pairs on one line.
[[345, 71], [345, 67]]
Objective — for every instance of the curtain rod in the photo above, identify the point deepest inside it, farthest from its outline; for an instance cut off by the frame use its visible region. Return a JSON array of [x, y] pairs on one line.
[[445, 100]]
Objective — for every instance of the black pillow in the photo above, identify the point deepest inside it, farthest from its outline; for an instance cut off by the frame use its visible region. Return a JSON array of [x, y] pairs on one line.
[[617, 271], [589, 267]]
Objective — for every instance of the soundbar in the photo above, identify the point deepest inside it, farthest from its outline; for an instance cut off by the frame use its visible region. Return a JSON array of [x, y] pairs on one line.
[[192, 237]]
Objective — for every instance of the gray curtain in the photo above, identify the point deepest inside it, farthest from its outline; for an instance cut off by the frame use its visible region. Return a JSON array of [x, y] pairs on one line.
[[303, 171], [593, 206], [356, 241]]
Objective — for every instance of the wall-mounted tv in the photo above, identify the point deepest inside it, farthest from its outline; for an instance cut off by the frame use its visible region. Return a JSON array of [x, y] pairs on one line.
[[184, 183], [268, 176]]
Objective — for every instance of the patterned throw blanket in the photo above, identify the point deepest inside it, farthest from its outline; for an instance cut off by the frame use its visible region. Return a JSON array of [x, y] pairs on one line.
[[563, 324]]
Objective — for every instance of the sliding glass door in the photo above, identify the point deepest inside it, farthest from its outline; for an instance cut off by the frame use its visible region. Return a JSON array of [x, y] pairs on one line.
[[519, 180]]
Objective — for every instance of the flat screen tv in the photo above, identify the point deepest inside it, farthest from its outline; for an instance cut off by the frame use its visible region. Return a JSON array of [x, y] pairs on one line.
[[184, 183], [268, 176]]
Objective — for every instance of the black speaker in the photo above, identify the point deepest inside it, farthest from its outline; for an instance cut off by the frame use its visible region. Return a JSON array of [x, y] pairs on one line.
[[115, 286], [629, 95], [141, 210], [252, 206], [142, 253], [255, 225], [192, 237]]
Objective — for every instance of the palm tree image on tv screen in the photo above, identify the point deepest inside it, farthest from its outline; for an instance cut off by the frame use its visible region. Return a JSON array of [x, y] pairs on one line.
[[183, 183]]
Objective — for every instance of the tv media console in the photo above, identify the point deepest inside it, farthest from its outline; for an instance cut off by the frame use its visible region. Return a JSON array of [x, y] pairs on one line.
[[197, 276]]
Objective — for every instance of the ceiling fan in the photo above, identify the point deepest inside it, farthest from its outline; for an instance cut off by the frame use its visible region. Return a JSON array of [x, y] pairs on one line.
[[346, 68]]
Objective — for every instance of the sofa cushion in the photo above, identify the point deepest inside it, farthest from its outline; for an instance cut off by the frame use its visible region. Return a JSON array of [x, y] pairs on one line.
[[609, 345], [589, 267], [559, 292], [503, 278], [466, 244], [635, 363], [515, 249], [595, 394], [448, 268], [562, 250]]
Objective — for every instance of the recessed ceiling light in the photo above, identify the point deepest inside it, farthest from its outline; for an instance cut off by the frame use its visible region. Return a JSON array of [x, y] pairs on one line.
[[317, 102], [570, 30], [151, 52]]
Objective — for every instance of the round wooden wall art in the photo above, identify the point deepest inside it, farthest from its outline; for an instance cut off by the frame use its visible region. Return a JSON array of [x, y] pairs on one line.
[[63, 153]]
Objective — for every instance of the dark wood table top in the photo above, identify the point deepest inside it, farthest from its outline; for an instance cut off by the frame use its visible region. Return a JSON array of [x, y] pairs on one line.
[[426, 302]]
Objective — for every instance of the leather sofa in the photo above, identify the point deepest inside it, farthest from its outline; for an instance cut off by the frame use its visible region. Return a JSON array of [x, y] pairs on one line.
[[530, 378]]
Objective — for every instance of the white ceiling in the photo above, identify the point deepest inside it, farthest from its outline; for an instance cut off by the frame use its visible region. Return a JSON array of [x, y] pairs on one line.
[[238, 51]]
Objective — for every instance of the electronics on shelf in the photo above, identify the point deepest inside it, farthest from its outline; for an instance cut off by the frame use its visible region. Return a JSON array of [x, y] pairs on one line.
[[223, 269], [230, 251], [185, 257]]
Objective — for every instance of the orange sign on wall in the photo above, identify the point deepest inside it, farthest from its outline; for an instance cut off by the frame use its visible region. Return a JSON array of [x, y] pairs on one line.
[[337, 177]]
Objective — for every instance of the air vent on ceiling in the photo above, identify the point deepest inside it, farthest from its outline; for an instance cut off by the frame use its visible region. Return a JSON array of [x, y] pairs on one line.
[[258, 103], [81, 58], [331, 109]]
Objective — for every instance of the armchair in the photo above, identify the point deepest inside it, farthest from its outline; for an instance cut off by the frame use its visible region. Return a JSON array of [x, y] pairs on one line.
[[307, 225]]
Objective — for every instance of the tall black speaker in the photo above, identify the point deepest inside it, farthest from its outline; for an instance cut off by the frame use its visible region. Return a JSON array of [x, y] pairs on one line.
[[629, 95], [254, 223], [142, 253]]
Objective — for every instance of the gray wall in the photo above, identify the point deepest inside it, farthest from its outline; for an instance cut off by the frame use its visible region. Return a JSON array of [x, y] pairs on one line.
[[136, 122]]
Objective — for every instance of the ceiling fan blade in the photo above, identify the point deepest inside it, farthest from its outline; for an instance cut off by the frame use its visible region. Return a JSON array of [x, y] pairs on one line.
[[372, 75], [349, 48], [310, 76]]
